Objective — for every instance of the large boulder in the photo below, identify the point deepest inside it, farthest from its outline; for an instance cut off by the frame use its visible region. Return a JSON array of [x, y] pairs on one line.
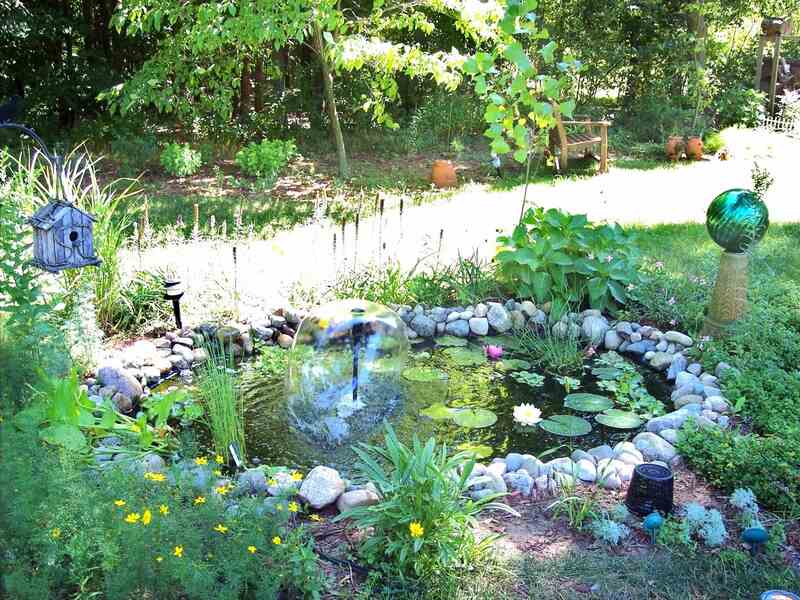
[[424, 326], [321, 487], [479, 325], [356, 498], [594, 329], [112, 373], [654, 447], [498, 317], [458, 328]]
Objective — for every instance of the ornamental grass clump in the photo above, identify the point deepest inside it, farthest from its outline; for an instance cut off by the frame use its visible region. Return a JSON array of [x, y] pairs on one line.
[[424, 522], [224, 403]]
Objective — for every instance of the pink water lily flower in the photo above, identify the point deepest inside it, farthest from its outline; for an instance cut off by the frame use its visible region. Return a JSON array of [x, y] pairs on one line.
[[493, 352]]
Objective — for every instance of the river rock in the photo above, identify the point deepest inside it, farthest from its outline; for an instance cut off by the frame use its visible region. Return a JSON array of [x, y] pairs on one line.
[[671, 435], [424, 326], [322, 486], [721, 369], [513, 461], [661, 361], [112, 373], [654, 447], [528, 308], [586, 470], [594, 329], [458, 328], [612, 340], [499, 318], [498, 467], [479, 325], [263, 331], [517, 319], [519, 482], [717, 404], [184, 352], [624, 327], [481, 310], [688, 399], [356, 498], [677, 337], [602, 452], [695, 369], [533, 466], [252, 481], [285, 341], [674, 419], [580, 455], [281, 483], [685, 378], [678, 365]]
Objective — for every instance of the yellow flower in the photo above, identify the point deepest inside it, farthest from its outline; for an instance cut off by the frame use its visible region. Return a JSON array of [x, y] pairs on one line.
[[178, 551], [416, 529], [119, 502], [220, 460], [55, 533], [297, 476], [159, 558], [293, 507], [217, 473], [155, 476], [200, 500], [222, 490], [221, 528], [279, 507], [147, 516], [133, 518], [251, 549], [276, 540], [201, 460], [272, 482], [135, 428], [316, 517], [163, 509]]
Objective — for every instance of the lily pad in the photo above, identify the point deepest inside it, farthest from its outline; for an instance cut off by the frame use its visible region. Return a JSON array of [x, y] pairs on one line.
[[465, 357], [420, 355], [478, 450], [424, 374], [588, 402], [513, 364], [474, 418], [619, 419], [606, 372], [438, 411], [566, 425], [451, 340]]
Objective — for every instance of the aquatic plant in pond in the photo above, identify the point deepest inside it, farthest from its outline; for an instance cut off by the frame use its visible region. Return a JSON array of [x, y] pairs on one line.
[[345, 371]]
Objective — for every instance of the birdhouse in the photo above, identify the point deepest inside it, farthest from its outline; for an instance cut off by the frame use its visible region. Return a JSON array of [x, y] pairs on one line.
[[62, 237]]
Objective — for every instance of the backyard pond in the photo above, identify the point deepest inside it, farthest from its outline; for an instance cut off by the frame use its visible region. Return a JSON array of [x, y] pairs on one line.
[[451, 389]]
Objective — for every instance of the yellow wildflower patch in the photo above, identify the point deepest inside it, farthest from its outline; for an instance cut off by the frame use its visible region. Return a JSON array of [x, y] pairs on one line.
[[178, 551], [251, 549], [293, 507], [221, 528], [277, 540], [133, 518], [200, 500], [416, 529], [201, 460], [297, 476], [147, 516]]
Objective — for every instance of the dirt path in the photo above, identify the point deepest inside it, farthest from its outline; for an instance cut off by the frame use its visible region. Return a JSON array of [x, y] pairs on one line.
[[267, 273]]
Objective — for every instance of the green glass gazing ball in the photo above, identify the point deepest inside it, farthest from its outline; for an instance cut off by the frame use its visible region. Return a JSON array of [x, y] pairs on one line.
[[737, 219]]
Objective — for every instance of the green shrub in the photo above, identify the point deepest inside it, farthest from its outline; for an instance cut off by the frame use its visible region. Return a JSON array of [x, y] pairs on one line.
[[560, 257], [223, 400], [69, 532], [180, 160], [713, 142], [424, 523], [140, 305], [739, 106], [768, 465], [266, 159]]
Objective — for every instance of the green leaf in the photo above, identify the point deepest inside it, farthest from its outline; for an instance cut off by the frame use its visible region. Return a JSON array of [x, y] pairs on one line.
[[547, 52], [541, 286], [516, 54], [567, 108], [424, 374], [607, 373], [438, 411], [619, 292], [588, 402], [566, 425], [513, 364], [64, 435], [477, 450], [619, 419], [451, 340], [474, 418], [465, 357]]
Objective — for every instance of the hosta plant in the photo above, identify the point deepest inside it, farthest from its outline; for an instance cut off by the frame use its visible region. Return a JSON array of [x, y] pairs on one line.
[[181, 160], [560, 257]]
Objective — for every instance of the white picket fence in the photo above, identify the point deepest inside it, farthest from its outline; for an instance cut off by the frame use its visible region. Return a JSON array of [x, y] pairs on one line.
[[782, 124]]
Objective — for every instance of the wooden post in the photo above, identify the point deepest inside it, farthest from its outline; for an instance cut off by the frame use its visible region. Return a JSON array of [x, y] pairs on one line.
[[759, 63], [773, 82], [604, 149], [196, 228]]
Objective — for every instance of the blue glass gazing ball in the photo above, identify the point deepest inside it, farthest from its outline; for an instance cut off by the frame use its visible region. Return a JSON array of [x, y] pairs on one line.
[[736, 220]]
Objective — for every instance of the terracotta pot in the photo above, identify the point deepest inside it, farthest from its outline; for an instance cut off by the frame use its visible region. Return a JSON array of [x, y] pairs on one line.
[[675, 146], [443, 174], [694, 148]]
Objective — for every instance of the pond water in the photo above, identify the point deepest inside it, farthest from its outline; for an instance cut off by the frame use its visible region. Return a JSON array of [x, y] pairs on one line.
[[478, 384]]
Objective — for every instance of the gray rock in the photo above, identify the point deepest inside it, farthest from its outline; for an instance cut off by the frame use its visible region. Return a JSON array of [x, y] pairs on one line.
[[528, 308], [717, 404], [611, 481], [624, 327], [519, 482], [479, 325], [481, 310], [662, 346], [594, 329], [263, 331], [722, 369], [184, 352], [497, 468], [654, 447], [517, 319], [538, 318], [688, 399], [685, 378], [178, 362], [439, 314], [122, 403], [709, 380], [453, 316], [612, 340], [695, 369], [586, 470], [649, 355], [532, 465], [623, 347], [513, 461], [709, 414], [292, 316], [636, 337], [678, 365], [481, 494], [424, 326], [704, 422], [459, 328], [674, 419], [724, 421], [602, 452], [466, 314], [277, 320], [354, 499], [151, 463], [322, 486], [161, 343], [479, 482], [641, 347], [541, 483], [682, 391], [630, 457], [563, 330], [671, 435], [499, 318], [677, 337], [661, 361], [709, 391], [200, 355], [152, 375], [185, 341], [252, 481], [112, 373], [562, 465], [590, 312], [283, 484], [497, 484], [581, 455]]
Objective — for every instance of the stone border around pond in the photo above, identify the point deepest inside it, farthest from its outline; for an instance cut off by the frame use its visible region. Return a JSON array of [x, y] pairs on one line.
[[127, 375]]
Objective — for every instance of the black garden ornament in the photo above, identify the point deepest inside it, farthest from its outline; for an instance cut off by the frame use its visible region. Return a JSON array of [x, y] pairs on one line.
[[62, 233]]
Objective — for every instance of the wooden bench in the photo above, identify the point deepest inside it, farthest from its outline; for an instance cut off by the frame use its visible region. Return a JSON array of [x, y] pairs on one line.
[[595, 134]]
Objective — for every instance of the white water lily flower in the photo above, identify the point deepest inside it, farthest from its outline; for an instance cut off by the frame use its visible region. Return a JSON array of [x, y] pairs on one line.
[[527, 414]]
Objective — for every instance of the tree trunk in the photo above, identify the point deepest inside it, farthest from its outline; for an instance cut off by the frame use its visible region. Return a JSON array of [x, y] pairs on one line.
[[259, 85], [246, 90], [697, 25], [330, 102]]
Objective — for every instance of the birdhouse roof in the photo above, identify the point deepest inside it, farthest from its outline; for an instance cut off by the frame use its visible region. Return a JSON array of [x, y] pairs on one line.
[[52, 212]]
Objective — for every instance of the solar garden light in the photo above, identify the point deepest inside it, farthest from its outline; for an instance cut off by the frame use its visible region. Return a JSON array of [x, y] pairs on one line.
[[652, 523], [736, 220], [755, 536], [173, 290]]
